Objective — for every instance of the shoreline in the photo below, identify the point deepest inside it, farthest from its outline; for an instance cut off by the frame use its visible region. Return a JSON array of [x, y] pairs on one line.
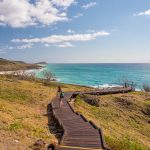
[[19, 71], [42, 67]]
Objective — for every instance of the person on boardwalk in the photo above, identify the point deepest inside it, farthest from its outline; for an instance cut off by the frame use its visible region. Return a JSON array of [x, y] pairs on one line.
[[61, 96]]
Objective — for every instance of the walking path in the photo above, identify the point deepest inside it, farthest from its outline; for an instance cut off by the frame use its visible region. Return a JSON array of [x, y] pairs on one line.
[[79, 133]]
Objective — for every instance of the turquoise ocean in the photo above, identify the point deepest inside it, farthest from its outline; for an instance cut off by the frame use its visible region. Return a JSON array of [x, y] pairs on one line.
[[100, 75]]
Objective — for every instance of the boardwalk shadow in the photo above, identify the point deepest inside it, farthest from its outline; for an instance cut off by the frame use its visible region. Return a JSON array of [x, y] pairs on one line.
[[53, 124]]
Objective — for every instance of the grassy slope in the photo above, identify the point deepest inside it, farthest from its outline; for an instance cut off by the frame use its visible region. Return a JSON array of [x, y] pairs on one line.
[[121, 117], [22, 105], [7, 65]]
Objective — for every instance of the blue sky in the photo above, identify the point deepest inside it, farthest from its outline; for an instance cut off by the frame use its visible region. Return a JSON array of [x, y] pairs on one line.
[[75, 31]]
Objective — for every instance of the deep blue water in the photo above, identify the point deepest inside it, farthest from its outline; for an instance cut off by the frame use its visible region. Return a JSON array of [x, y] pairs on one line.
[[101, 74]]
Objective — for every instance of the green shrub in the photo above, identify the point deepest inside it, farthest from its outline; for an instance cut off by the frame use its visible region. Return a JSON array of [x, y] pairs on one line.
[[15, 126], [90, 99], [125, 143], [147, 108], [14, 94]]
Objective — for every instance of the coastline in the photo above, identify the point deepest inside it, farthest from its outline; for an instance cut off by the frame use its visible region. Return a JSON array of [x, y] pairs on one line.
[[20, 71], [102, 75], [43, 66], [29, 71]]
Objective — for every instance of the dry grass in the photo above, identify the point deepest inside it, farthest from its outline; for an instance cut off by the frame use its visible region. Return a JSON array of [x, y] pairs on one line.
[[22, 106], [124, 118]]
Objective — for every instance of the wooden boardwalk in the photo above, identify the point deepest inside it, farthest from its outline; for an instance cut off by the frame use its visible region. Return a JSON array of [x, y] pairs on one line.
[[79, 133]]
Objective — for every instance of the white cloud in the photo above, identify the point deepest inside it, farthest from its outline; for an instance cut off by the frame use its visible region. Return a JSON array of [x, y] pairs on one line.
[[62, 45], [91, 31], [25, 46], [63, 38], [89, 5], [63, 3], [145, 13], [65, 45], [22, 13], [10, 47], [6, 47], [78, 15], [47, 45], [70, 31]]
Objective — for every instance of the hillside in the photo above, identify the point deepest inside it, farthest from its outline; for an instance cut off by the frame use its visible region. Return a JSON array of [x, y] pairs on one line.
[[124, 118], [23, 105], [8, 65]]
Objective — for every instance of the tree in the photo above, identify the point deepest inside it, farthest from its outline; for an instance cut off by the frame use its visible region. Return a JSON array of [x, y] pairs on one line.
[[146, 87], [127, 83], [48, 76], [32, 76]]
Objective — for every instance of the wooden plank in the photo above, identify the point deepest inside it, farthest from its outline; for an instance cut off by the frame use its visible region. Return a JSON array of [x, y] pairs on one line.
[[78, 131]]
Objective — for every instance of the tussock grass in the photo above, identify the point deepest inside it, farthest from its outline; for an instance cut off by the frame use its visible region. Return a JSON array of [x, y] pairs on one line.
[[122, 118], [126, 143]]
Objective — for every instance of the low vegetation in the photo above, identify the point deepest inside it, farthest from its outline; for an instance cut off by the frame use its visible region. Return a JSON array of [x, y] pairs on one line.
[[125, 82], [23, 105], [124, 118], [90, 99], [146, 87]]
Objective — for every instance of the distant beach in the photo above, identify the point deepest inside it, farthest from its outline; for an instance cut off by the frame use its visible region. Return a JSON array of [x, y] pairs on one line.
[[22, 71], [27, 71]]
